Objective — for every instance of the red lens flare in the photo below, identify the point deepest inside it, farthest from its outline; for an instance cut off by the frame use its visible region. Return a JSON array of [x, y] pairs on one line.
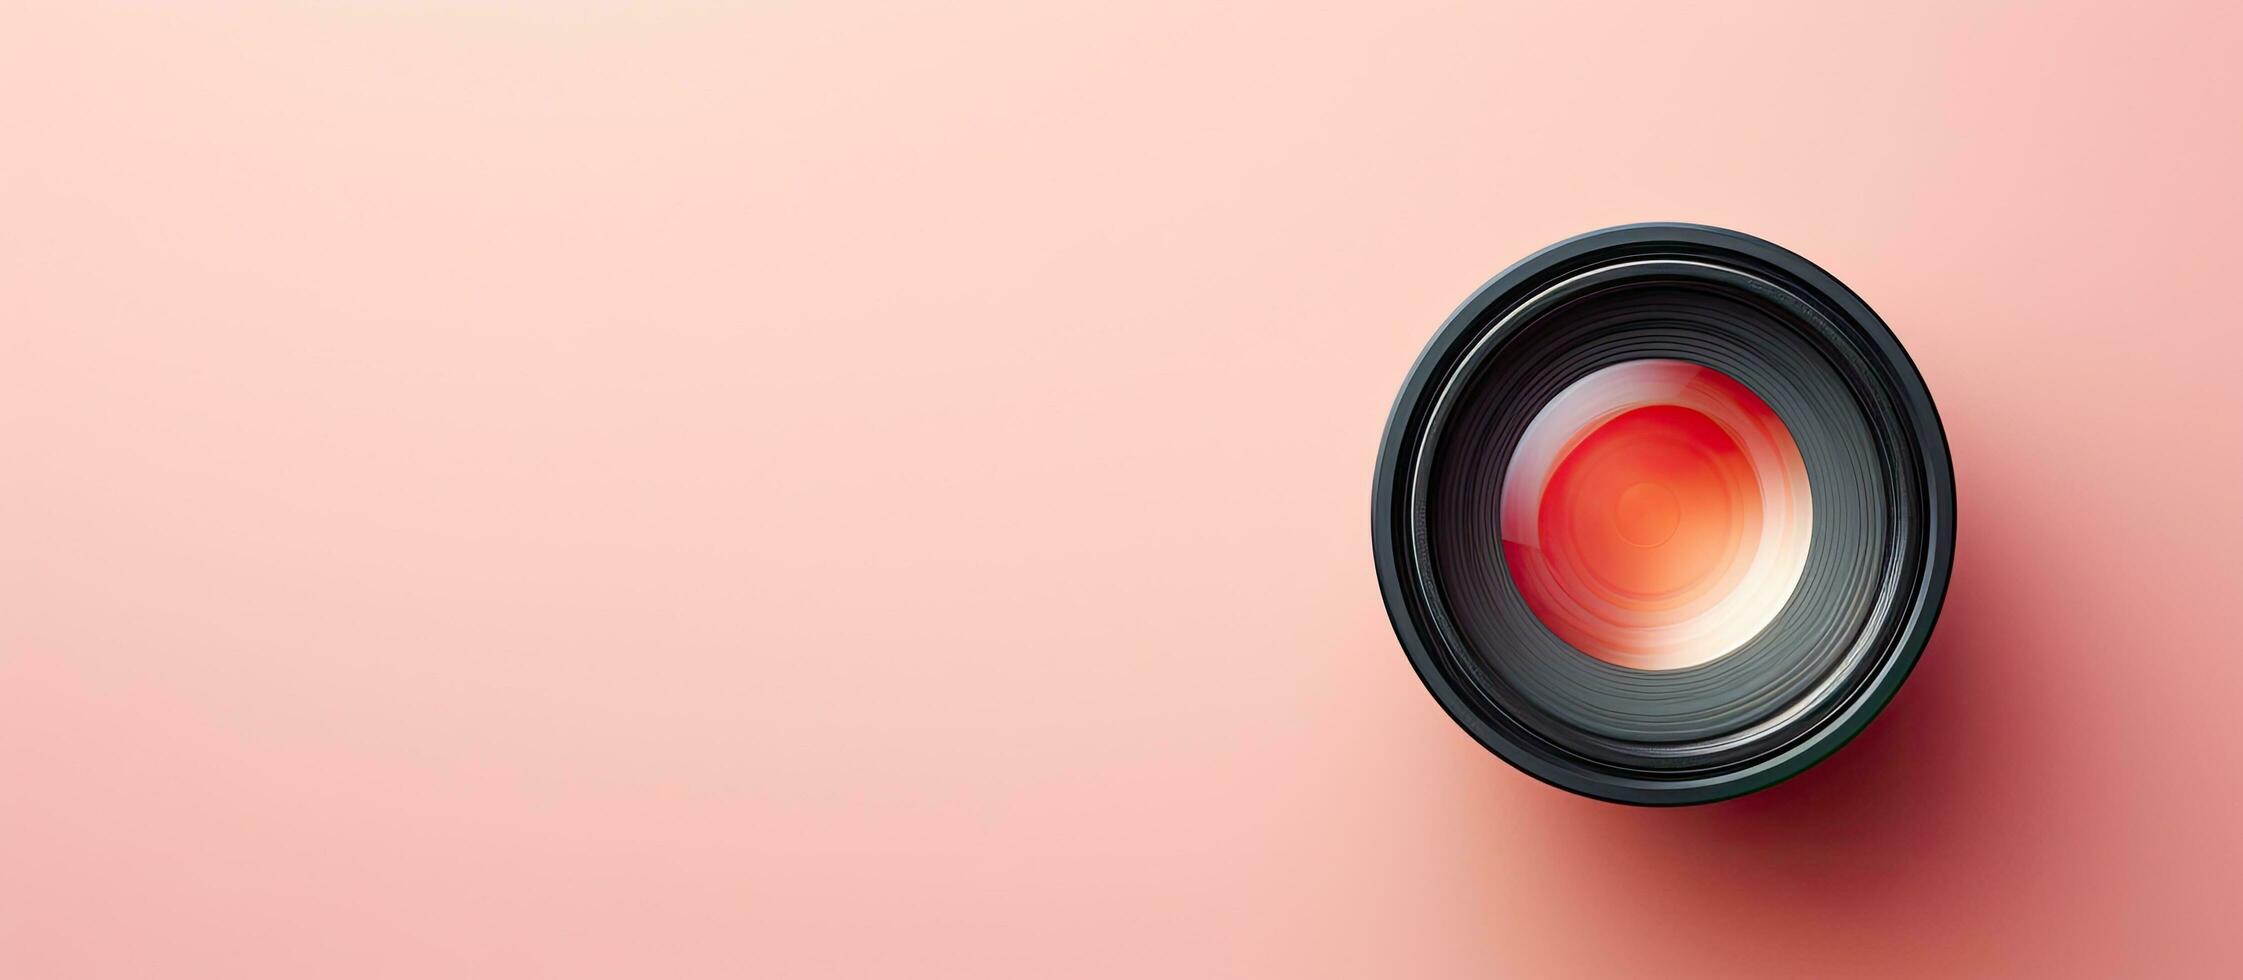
[[1656, 514]]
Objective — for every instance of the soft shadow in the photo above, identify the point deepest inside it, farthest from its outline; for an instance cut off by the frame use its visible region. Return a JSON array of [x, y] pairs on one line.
[[1912, 820]]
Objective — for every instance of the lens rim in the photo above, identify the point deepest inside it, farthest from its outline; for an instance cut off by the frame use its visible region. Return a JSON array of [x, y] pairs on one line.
[[1398, 539]]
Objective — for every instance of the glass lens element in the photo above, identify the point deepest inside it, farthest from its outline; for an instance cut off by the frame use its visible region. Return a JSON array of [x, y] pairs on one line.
[[1656, 514]]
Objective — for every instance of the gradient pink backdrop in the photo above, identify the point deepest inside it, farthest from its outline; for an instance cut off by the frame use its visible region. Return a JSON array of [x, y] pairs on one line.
[[804, 489]]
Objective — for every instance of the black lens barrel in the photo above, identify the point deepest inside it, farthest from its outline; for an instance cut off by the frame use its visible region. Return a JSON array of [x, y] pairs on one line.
[[1882, 535]]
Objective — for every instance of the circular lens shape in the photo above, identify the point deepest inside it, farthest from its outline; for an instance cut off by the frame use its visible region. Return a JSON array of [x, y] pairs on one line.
[[1663, 514], [1656, 514]]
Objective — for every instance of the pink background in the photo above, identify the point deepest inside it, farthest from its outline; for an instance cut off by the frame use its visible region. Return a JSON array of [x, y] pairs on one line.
[[806, 489]]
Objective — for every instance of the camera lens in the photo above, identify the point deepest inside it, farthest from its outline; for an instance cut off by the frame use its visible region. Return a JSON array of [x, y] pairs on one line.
[[1663, 514]]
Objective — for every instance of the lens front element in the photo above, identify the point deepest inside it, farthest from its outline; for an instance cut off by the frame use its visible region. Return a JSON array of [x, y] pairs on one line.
[[1656, 514]]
